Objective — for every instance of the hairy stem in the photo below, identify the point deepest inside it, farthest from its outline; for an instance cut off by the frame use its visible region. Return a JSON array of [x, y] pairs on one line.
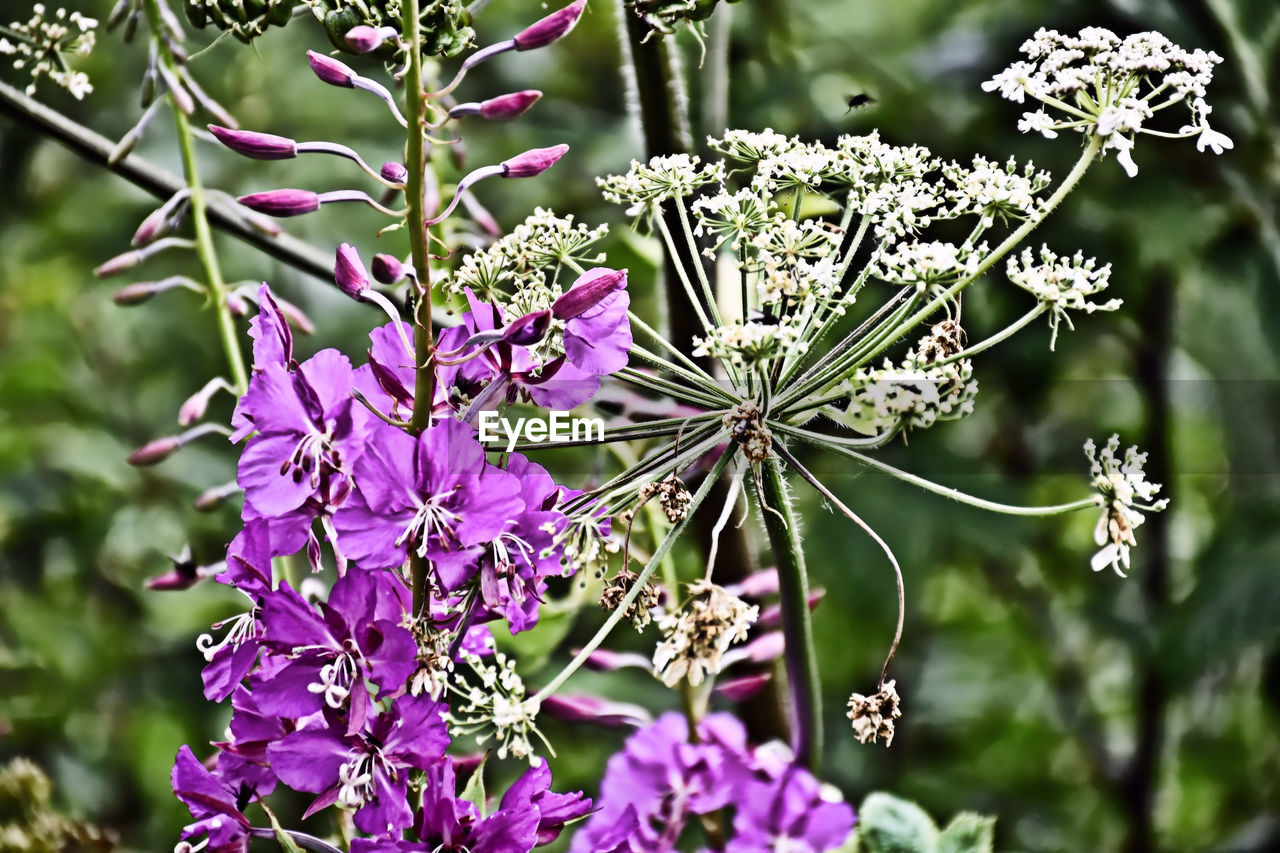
[[801, 656]]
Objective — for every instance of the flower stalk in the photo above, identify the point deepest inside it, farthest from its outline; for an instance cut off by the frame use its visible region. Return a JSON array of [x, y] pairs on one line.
[[801, 656]]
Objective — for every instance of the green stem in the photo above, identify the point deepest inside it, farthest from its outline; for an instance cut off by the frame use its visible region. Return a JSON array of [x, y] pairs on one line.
[[647, 572], [801, 655], [415, 221], [205, 250]]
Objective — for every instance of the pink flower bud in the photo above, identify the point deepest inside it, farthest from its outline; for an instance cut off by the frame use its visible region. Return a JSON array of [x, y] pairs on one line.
[[533, 162], [604, 660], [135, 294], [500, 108], [387, 269], [771, 616], [550, 28], [593, 709], [282, 202], [739, 689], [155, 225], [366, 39], [120, 263], [154, 451], [529, 329], [509, 106], [757, 584], [259, 146], [331, 70], [349, 271], [588, 291], [394, 172]]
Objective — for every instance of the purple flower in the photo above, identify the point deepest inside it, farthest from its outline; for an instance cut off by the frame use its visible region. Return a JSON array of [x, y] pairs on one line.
[[511, 569], [243, 760], [435, 494], [248, 570], [215, 805], [792, 812], [665, 780], [355, 638], [307, 435], [597, 333], [369, 770]]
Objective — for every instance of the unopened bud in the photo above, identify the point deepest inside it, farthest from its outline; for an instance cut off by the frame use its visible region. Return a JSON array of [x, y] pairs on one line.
[[533, 162], [500, 108], [366, 39], [591, 288], [394, 172], [604, 660], [135, 294], [259, 146], [550, 28], [349, 271], [282, 202], [154, 451], [331, 70], [593, 709], [155, 225], [387, 269], [740, 689], [197, 404], [529, 329], [757, 584], [120, 263]]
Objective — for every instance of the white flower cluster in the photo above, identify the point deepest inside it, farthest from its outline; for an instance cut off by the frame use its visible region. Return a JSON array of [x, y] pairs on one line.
[[927, 264], [995, 192], [1124, 493], [523, 264], [696, 637], [646, 185], [731, 216], [1062, 284], [496, 707], [1098, 83], [914, 395], [41, 45], [754, 343]]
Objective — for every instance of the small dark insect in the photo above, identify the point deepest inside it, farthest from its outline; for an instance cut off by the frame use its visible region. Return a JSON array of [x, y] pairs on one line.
[[764, 318], [859, 100]]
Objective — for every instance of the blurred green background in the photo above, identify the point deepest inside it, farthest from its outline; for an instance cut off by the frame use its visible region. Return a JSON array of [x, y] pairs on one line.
[[1087, 711]]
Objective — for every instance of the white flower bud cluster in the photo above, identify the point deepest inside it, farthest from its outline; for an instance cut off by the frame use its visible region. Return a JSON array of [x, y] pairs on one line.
[[995, 192], [927, 264], [913, 395], [1124, 493], [1061, 284], [1100, 84], [40, 46], [646, 185], [751, 344], [521, 265], [732, 217]]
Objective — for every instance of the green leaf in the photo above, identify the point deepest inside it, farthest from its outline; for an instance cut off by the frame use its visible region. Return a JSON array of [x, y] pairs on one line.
[[887, 824], [474, 792], [968, 833], [286, 842]]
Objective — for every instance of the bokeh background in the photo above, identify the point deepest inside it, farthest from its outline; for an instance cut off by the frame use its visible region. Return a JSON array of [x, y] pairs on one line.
[[1087, 711]]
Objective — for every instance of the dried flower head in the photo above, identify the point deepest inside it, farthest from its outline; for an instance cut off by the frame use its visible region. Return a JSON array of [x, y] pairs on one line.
[[697, 636], [746, 426], [617, 589], [873, 715]]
